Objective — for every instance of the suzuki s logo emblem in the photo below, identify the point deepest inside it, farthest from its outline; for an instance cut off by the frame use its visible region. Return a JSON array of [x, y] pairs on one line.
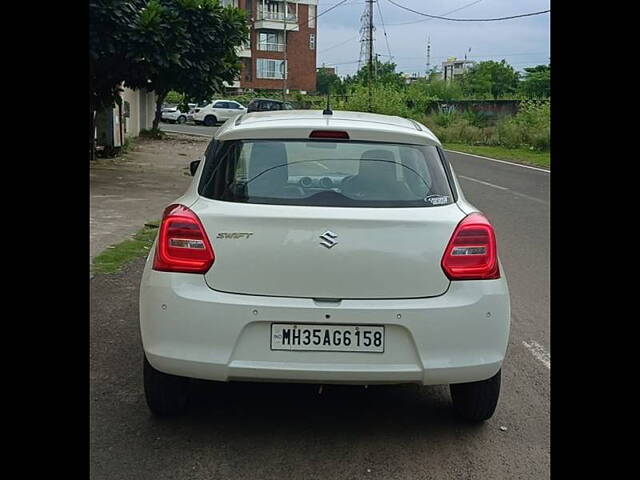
[[328, 239]]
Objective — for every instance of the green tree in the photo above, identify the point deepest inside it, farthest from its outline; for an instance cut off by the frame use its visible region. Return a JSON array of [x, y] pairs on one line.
[[490, 79], [384, 73], [327, 82], [161, 45], [111, 24], [204, 36], [385, 99], [536, 82], [435, 89]]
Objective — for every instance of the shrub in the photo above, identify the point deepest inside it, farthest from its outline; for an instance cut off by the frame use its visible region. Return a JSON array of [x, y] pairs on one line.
[[478, 118], [385, 100], [530, 127]]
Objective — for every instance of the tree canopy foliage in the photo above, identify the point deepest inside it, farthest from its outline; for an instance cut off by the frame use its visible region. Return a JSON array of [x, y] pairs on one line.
[[162, 45], [536, 82], [384, 73], [490, 78], [327, 82]]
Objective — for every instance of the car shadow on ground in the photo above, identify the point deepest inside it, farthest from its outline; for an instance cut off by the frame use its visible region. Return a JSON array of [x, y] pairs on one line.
[[344, 409]]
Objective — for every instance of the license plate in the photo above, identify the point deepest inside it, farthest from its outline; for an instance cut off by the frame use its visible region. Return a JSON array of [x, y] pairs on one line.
[[328, 338]]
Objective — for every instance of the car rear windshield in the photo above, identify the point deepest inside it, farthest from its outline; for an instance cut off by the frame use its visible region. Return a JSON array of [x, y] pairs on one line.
[[325, 173]]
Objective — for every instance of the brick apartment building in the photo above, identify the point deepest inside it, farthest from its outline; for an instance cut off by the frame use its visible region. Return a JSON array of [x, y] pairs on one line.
[[263, 64]]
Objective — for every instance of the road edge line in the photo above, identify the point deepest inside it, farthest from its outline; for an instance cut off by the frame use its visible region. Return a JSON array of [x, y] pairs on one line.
[[499, 161], [184, 133]]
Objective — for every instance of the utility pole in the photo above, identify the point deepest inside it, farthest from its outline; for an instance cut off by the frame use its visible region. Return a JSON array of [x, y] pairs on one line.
[[428, 56], [375, 67], [284, 77], [370, 48]]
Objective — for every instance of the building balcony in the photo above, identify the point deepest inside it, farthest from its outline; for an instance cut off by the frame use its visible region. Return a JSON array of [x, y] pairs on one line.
[[244, 51], [276, 21], [271, 47]]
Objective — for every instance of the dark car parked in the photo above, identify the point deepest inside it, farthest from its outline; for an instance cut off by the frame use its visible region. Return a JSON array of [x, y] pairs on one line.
[[267, 104]]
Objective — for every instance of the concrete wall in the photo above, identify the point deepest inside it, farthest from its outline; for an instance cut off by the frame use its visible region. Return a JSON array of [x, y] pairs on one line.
[[142, 110], [496, 107], [142, 106]]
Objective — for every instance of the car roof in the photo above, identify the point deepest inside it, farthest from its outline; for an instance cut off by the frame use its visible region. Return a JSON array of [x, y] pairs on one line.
[[292, 124], [267, 100]]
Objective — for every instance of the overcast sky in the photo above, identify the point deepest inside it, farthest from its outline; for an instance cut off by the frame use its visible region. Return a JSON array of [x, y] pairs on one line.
[[522, 42]]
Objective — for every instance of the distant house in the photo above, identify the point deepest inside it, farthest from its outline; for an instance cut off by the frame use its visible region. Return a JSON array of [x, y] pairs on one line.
[[327, 70], [454, 68], [409, 78]]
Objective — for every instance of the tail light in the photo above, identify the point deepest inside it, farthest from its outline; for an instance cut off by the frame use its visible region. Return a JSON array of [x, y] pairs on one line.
[[183, 245], [472, 253], [329, 134]]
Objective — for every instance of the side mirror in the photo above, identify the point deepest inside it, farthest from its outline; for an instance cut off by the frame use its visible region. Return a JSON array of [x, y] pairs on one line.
[[193, 166]]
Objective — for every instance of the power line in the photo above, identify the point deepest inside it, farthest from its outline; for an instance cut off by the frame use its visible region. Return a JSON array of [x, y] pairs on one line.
[[386, 39], [446, 13], [329, 9], [343, 63], [469, 19], [339, 44], [394, 24], [492, 55]]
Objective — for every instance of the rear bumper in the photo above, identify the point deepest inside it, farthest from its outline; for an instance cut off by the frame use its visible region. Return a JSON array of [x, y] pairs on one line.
[[191, 330]]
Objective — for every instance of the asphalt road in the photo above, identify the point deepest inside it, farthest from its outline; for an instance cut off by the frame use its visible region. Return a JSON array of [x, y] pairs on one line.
[[246, 431], [188, 128]]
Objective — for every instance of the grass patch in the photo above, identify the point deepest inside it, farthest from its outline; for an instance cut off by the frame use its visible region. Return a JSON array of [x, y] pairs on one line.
[[516, 155], [114, 257]]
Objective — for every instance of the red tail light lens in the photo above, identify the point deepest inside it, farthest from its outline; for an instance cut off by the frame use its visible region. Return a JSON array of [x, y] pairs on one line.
[[472, 253], [329, 134], [183, 245]]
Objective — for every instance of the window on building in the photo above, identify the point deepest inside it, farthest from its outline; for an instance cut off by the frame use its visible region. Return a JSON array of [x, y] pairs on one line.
[[271, 41], [267, 68], [312, 41], [312, 16]]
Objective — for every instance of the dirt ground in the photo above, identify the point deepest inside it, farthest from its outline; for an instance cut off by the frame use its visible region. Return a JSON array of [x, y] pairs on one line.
[[128, 191]]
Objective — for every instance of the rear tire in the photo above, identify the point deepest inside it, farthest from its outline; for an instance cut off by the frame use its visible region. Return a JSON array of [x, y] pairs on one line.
[[166, 394], [210, 120], [182, 119], [476, 401]]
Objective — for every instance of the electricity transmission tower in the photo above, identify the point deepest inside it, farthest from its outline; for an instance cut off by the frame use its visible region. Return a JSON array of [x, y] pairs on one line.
[[366, 35], [366, 42]]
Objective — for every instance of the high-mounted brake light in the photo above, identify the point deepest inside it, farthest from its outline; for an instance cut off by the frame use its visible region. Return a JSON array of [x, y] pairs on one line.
[[329, 134], [472, 253], [183, 245]]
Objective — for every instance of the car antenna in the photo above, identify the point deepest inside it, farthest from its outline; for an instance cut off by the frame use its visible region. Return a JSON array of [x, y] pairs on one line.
[[327, 111]]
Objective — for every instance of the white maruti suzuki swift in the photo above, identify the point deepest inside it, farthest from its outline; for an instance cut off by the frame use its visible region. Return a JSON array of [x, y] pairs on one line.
[[324, 247]]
